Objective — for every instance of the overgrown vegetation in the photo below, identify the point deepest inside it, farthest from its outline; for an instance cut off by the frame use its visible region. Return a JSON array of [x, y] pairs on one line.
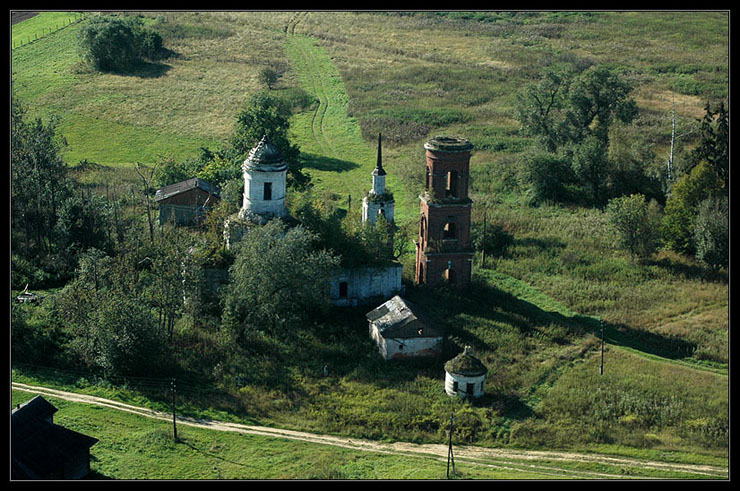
[[552, 270]]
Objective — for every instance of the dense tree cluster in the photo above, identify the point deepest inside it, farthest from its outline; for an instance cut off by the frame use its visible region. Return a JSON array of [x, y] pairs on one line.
[[117, 44], [577, 119], [52, 221], [571, 115]]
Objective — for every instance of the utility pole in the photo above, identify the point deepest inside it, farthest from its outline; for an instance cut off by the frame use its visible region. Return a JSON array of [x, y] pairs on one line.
[[483, 258], [450, 456], [174, 414], [601, 368]]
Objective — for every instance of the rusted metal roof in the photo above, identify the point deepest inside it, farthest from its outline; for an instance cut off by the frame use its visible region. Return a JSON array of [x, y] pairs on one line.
[[398, 318], [181, 187]]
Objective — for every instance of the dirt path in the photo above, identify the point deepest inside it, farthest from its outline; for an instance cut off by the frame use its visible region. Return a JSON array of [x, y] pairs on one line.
[[317, 81], [505, 459]]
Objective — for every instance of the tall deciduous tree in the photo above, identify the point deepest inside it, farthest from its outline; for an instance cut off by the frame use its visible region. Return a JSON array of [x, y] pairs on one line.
[[565, 108], [597, 97], [277, 279], [681, 207], [540, 107], [267, 115], [592, 166], [38, 179], [712, 232]]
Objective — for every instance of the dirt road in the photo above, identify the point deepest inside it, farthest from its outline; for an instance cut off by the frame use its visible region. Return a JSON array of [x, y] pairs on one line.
[[506, 459]]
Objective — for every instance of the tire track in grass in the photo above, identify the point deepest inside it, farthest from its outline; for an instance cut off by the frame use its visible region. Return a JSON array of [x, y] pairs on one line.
[[504, 459], [314, 75]]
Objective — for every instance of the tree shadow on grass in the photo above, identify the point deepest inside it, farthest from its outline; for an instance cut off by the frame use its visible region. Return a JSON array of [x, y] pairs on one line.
[[488, 302], [544, 243], [689, 271], [329, 164], [146, 69]]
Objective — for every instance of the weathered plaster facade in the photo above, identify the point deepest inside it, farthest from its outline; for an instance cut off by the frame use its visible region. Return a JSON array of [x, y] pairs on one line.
[[465, 375], [349, 287], [401, 331], [379, 201], [265, 177]]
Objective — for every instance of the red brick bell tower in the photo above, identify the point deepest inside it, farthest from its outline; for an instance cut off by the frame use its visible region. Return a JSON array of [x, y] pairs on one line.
[[444, 252]]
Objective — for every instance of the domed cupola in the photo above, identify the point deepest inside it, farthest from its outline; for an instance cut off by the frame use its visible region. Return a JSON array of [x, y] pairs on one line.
[[265, 157], [265, 173]]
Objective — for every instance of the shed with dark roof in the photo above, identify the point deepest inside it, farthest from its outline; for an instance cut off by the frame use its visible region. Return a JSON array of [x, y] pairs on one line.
[[41, 449], [401, 330], [184, 203]]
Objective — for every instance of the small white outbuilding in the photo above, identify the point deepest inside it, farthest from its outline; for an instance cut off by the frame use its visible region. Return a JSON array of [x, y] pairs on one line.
[[400, 331], [465, 375]]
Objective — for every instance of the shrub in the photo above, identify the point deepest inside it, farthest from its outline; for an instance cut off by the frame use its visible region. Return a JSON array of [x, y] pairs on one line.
[[114, 44], [636, 223], [550, 177]]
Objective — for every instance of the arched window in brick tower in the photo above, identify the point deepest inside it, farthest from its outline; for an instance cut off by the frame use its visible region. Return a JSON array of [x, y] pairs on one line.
[[422, 229], [449, 231], [428, 178], [452, 181], [450, 276]]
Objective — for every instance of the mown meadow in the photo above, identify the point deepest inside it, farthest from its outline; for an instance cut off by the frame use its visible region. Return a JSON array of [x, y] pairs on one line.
[[533, 313]]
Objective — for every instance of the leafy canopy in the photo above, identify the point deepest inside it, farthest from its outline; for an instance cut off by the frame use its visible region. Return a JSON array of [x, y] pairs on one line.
[[117, 44]]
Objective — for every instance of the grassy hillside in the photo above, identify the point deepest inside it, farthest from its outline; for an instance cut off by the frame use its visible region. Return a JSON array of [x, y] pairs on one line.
[[533, 313]]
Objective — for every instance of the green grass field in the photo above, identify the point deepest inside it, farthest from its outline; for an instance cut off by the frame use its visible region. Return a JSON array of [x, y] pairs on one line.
[[135, 447], [41, 25], [534, 312]]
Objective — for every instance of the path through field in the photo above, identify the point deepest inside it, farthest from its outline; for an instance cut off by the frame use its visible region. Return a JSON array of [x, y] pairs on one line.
[[339, 160], [542, 462]]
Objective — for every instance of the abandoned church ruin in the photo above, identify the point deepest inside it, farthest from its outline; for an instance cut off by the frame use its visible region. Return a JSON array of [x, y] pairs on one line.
[[444, 250]]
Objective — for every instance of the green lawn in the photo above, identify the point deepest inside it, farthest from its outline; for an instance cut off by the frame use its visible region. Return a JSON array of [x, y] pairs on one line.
[[534, 312], [41, 25], [136, 447]]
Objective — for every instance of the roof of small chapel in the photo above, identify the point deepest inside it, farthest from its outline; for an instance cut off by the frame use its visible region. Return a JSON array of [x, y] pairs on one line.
[[466, 364], [398, 318], [265, 156]]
